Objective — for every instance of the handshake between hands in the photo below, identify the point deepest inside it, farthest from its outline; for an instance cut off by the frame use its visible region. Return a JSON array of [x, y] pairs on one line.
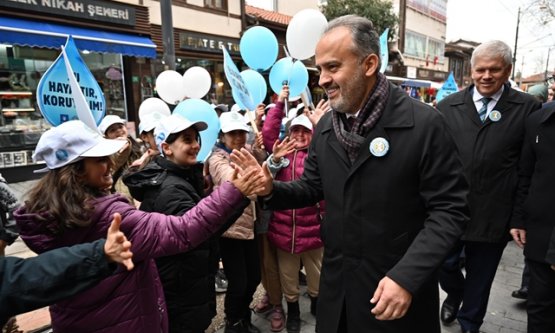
[[248, 176]]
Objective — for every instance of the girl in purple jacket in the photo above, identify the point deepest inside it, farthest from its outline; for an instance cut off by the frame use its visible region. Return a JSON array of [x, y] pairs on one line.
[[71, 204]]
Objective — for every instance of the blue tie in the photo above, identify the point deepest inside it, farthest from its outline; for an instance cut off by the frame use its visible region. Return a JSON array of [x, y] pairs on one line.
[[484, 109]]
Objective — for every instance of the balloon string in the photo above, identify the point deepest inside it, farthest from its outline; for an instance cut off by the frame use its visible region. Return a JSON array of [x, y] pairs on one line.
[[253, 124]]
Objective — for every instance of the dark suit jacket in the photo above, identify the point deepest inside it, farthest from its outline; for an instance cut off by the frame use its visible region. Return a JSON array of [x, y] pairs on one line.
[[490, 154], [534, 208], [397, 215]]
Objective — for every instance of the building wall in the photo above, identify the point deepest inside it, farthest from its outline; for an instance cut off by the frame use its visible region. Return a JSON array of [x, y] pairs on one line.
[[192, 19], [433, 30], [290, 7]]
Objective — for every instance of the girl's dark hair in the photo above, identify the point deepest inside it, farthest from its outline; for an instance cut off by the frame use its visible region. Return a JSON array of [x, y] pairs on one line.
[[63, 195]]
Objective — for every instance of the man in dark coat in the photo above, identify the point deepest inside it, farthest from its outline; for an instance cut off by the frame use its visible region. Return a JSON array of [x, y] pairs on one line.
[[393, 185], [487, 122], [533, 222]]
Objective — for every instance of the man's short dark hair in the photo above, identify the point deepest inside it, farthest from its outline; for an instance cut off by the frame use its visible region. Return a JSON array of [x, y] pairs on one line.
[[365, 39]]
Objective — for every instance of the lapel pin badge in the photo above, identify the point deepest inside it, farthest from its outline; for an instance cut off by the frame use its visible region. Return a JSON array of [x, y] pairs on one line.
[[495, 116], [379, 147]]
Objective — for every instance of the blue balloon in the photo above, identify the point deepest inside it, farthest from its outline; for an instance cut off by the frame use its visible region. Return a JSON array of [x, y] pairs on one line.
[[194, 110], [287, 71], [256, 85], [259, 48]]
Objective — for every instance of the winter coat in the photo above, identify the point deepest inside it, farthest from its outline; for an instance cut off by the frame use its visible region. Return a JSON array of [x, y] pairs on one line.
[[291, 230], [397, 215], [534, 210], [29, 284], [221, 171], [128, 301], [187, 278], [489, 152]]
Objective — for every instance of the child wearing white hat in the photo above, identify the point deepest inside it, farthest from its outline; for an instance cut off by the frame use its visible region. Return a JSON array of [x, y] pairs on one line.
[[113, 127], [71, 204], [173, 183], [294, 233], [238, 247]]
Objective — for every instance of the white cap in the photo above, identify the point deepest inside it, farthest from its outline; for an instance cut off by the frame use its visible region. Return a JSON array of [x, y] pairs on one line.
[[235, 108], [174, 124], [231, 121], [108, 121], [68, 142], [301, 120], [149, 122], [269, 106]]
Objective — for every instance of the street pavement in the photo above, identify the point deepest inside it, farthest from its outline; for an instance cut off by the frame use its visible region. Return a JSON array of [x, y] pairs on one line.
[[505, 314]]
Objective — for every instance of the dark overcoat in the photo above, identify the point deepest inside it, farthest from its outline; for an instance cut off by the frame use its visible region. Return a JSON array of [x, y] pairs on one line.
[[490, 152], [396, 215], [534, 209]]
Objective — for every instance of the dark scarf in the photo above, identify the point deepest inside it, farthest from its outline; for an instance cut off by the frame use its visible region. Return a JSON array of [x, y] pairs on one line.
[[365, 120]]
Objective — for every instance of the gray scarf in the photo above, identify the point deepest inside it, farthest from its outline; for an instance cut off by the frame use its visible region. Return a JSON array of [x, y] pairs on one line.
[[365, 120]]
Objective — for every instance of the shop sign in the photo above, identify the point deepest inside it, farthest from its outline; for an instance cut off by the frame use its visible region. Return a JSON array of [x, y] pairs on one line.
[[206, 43], [411, 72], [431, 74], [96, 10]]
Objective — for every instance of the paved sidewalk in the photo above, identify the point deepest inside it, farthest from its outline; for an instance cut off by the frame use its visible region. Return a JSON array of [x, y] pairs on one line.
[[505, 314]]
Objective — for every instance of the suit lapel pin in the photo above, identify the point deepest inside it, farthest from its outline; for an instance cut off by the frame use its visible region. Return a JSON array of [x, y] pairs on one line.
[[495, 116], [379, 147]]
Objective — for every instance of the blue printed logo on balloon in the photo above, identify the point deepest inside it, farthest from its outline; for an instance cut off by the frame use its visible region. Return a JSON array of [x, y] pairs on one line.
[[259, 48], [194, 110], [54, 94], [292, 72]]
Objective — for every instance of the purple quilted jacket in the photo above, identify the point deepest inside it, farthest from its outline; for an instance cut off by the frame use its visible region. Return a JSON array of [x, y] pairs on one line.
[[291, 230], [128, 301]]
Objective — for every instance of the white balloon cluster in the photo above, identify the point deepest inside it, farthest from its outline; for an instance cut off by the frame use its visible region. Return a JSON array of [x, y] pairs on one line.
[[173, 87]]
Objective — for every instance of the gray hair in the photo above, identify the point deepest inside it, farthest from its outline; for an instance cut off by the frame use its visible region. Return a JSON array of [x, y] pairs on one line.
[[493, 49], [365, 39]]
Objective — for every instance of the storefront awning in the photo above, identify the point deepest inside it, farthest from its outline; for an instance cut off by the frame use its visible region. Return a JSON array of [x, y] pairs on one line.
[[51, 35]]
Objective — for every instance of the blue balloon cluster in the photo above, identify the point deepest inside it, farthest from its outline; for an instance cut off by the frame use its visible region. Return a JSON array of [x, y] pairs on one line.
[[259, 48], [194, 110], [290, 72]]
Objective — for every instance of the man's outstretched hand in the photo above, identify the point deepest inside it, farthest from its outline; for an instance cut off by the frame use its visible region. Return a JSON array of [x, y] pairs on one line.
[[245, 161]]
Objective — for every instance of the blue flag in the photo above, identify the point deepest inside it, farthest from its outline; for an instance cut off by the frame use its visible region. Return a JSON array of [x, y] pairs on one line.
[[449, 87], [239, 89], [68, 90], [384, 50]]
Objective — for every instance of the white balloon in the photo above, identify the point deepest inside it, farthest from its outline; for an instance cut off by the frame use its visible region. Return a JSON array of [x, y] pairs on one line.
[[153, 105], [196, 82], [169, 85], [304, 32]]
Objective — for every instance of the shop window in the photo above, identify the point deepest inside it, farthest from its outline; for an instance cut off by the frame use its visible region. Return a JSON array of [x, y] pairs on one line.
[[21, 69], [220, 93], [217, 4]]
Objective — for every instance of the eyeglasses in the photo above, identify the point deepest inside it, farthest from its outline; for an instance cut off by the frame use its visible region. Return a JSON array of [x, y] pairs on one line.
[[550, 80]]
